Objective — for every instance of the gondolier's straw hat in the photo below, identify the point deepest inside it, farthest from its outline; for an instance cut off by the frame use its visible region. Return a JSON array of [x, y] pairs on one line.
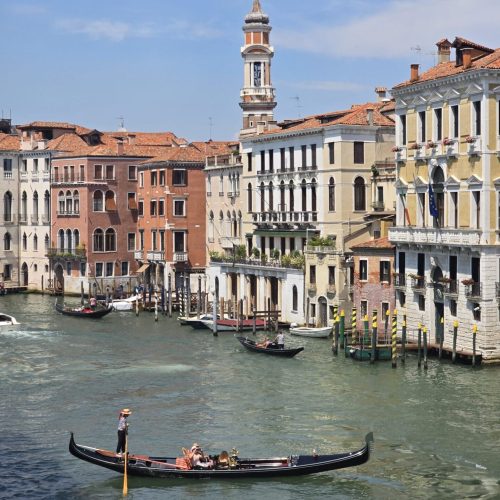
[[125, 411]]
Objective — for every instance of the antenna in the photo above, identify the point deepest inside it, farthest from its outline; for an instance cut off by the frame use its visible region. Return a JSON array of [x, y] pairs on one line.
[[122, 124], [210, 125], [299, 106]]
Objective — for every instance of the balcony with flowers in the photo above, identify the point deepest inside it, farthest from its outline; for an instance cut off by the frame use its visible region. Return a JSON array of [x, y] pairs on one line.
[[473, 145], [400, 153], [450, 147]]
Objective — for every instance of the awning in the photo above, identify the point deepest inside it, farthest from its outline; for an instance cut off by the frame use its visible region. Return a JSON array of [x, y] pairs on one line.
[[142, 268]]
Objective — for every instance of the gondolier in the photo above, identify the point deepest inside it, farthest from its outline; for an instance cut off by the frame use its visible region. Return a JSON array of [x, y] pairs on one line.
[[280, 340], [122, 431]]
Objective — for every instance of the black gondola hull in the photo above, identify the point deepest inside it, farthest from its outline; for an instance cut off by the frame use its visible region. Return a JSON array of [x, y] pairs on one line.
[[284, 353], [95, 314], [164, 467]]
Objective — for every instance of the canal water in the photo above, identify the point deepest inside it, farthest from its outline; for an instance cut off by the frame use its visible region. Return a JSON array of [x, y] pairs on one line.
[[436, 432]]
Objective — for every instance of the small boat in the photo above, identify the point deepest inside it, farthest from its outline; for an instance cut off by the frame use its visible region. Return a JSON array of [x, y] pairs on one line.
[[126, 304], [232, 325], [309, 331], [382, 353], [272, 349], [6, 320], [195, 322], [234, 467], [83, 312]]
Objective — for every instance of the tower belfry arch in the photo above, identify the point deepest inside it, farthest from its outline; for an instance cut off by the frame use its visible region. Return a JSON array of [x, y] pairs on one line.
[[257, 97]]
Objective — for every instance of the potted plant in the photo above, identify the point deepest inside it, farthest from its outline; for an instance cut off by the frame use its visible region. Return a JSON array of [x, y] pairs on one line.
[[448, 142], [415, 145], [444, 279], [275, 254], [468, 281], [256, 253], [470, 139], [430, 145], [396, 149], [415, 276]]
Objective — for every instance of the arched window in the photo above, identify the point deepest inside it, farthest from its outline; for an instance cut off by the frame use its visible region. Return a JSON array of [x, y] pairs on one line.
[[76, 238], [69, 240], [211, 228], [98, 201], [249, 199], [110, 201], [7, 207], [291, 189], [271, 199], [303, 189], [438, 188], [314, 205], [331, 195], [60, 240], [295, 298], [35, 243], [24, 206], [69, 202], [282, 207], [7, 239], [46, 206], [262, 197], [235, 225], [359, 194], [25, 242], [76, 202], [46, 242], [98, 240], [35, 205], [110, 240], [61, 202]]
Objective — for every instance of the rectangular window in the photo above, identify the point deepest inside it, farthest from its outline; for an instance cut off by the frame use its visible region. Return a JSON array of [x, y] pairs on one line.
[[385, 271], [98, 269], [131, 201], [421, 209], [98, 172], [364, 309], [179, 241], [24, 166], [271, 160], [421, 126], [292, 245], [179, 208], [359, 152], [179, 178], [403, 129], [83, 268], [476, 207], [421, 303], [454, 209], [152, 208], [154, 242], [331, 275], [476, 130], [141, 239], [132, 173], [161, 208], [69, 266], [82, 173], [438, 117], [304, 156], [262, 161], [312, 275], [282, 159], [331, 152], [124, 269], [35, 165], [249, 159], [363, 270], [109, 268], [454, 122], [291, 152], [162, 240], [131, 242], [110, 172], [141, 179], [453, 307], [154, 178], [140, 208], [162, 177], [402, 299], [313, 155]]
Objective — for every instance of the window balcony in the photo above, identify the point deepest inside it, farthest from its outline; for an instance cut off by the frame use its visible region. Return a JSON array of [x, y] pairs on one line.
[[433, 149], [418, 283], [435, 236], [34, 219], [331, 288], [400, 153], [473, 145], [67, 253], [278, 218], [450, 147], [180, 257], [23, 219], [399, 281], [155, 255], [7, 175], [138, 255], [378, 205], [45, 219], [450, 288], [474, 291], [69, 178]]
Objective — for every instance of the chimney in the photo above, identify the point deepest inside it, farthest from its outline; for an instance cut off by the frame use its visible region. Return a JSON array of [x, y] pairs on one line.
[[414, 73], [369, 116], [444, 50], [119, 146], [466, 58], [381, 93]]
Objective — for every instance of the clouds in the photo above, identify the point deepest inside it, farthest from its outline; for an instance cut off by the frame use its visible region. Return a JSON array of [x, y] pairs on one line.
[[117, 31], [396, 26]]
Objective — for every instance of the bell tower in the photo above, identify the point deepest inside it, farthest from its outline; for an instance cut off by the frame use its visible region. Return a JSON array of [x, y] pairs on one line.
[[258, 94]]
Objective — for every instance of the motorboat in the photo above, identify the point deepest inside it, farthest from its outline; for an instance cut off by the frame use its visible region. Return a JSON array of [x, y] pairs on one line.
[[6, 320], [232, 325], [127, 304], [309, 331]]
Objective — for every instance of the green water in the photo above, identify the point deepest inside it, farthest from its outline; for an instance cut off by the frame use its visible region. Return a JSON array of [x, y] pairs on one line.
[[436, 432]]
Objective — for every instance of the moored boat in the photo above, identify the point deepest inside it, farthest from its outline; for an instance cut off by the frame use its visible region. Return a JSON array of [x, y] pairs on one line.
[[83, 312], [232, 325], [272, 350], [309, 331], [6, 320], [195, 322], [234, 467], [364, 353], [127, 304]]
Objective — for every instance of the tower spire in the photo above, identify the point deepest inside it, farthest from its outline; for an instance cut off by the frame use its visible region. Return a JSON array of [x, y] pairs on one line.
[[257, 94]]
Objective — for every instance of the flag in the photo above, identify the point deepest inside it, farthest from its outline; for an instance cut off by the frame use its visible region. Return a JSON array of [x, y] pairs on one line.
[[432, 203]]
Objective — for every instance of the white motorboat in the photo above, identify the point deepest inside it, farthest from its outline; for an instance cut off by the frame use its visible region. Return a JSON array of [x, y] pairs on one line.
[[125, 304], [6, 320], [195, 322], [309, 331]]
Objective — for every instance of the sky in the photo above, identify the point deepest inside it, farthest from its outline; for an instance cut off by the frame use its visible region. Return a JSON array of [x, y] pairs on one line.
[[175, 64]]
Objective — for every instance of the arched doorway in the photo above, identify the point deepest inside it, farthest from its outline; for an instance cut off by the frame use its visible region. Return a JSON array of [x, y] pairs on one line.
[[437, 275], [323, 311], [24, 274], [58, 278]]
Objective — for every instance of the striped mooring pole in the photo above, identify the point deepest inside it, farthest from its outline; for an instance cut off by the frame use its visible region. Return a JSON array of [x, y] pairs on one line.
[[455, 333], [419, 346], [394, 338], [335, 346], [374, 336], [343, 342], [474, 333], [424, 331], [403, 340], [353, 325]]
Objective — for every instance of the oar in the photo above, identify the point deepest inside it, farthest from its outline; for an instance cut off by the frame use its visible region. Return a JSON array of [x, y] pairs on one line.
[[125, 481]]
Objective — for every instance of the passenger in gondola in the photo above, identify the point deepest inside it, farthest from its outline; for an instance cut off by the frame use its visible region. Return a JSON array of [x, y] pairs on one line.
[[265, 343], [198, 458], [122, 431], [93, 303]]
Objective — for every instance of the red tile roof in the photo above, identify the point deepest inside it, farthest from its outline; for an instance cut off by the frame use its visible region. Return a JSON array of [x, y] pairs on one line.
[[379, 243], [67, 142], [9, 142]]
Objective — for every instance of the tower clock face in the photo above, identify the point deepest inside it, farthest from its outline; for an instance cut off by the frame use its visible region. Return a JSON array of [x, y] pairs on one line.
[[257, 74]]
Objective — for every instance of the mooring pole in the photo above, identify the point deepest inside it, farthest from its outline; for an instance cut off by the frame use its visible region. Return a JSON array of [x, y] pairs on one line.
[[335, 346], [394, 339], [455, 334], [337, 333], [366, 333], [156, 305], [474, 334], [214, 316], [374, 336], [198, 301], [403, 340], [188, 295], [419, 346], [353, 325], [386, 325], [82, 300], [343, 343], [425, 347], [169, 284]]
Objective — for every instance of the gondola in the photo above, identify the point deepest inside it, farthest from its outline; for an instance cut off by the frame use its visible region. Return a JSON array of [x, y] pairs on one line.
[[85, 312], [233, 467], [273, 351]]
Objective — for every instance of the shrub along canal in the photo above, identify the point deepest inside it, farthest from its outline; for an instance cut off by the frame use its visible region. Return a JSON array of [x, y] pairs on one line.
[[436, 431]]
